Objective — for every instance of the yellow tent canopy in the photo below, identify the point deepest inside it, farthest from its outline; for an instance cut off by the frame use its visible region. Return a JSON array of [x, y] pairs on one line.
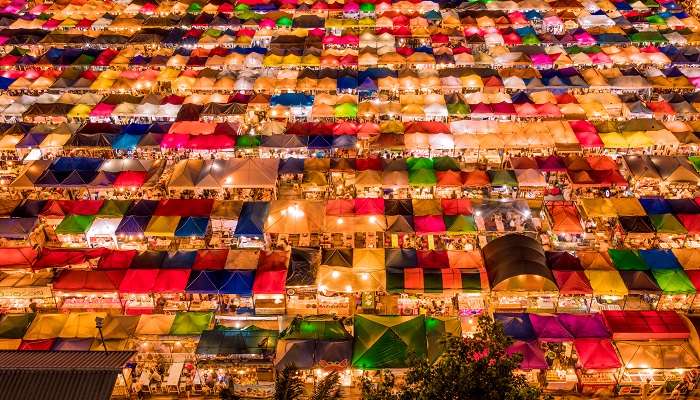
[[162, 226], [606, 282], [46, 326], [81, 325], [154, 324]]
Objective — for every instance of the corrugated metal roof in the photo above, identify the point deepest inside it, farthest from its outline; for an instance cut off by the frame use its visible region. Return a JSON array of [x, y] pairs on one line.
[[73, 360], [60, 375], [57, 384]]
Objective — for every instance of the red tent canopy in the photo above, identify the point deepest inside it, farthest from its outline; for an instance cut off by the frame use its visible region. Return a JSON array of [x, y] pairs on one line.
[[130, 179], [448, 178], [39, 344], [457, 207], [369, 206], [184, 207], [210, 259], [81, 207], [171, 280], [273, 260], [691, 222], [17, 257], [476, 178], [269, 282], [433, 259], [372, 163], [139, 281], [340, 207], [596, 354], [117, 259], [572, 282], [645, 325], [86, 280], [57, 258]]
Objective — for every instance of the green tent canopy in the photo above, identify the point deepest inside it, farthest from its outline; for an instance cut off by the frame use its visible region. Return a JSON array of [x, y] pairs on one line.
[[414, 163], [284, 21], [14, 326], [673, 281], [457, 109], [627, 260], [346, 110], [436, 330], [387, 341], [667, 223], [695, 160], [459, 223], [247, 141], [230, 341], [190, 323], [445, 164], [194, 8], [422, 177], [114, 208], [315, 328], [502, 177], [74, 224], [367, 7]]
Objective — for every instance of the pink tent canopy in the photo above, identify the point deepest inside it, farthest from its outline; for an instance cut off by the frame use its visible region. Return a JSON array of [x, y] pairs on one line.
[[429, 224], [548, 328], [533, 357], [269, 282]]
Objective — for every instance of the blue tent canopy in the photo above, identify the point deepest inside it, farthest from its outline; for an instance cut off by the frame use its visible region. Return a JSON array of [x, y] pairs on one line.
[[179, 259], [221, 282], [5, 82], [291, 166], [76, 163], [135, 129], [31, 140], [320, 142], [346, 82], [202, 282], [516, 325], [251, 221], [292, 99], [126, 141], [655, 205], [659, 259], [238, 282], [192, 226]]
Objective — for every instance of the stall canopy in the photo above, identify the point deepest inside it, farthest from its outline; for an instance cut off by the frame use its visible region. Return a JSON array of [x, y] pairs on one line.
[[532, 355], [645, 325], [596, 354], [386, 341], [517, 263], [668, 354], [190, 323], [251, 341]]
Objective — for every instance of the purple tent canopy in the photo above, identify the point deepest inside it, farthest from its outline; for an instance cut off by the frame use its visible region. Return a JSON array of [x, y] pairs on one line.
[[548, 328], [584, 325], [17, 228], [72, 344], [132, 225], [550, 163], [533, 357]]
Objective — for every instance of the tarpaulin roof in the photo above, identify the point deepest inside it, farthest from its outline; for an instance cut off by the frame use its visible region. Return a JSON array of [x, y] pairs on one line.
[[517, 262], [516, 325], [533, 356], [14, 326], [548, 328], [656, 355], [318, 328], [645, 325], [386, 342], [596, 354], [584, 325], [190, 323], [246, 341]]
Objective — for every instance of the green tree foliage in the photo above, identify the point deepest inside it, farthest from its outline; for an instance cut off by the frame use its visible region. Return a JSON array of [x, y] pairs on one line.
[[327, 388], [288, 384], [473, 368]]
